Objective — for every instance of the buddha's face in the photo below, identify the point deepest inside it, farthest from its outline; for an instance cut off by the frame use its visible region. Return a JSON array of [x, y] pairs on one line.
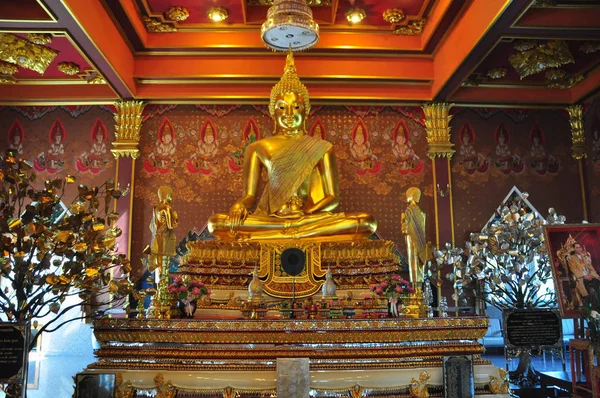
[[209, 139], [99, 137], [466, 138], [16, 139], [501, 139], [167, 138], [401, 139], [289, 112], [57, 138]]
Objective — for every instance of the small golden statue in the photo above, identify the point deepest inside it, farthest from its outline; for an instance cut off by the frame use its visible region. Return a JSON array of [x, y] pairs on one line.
[[302, 188], [163, 247], [413, 226]]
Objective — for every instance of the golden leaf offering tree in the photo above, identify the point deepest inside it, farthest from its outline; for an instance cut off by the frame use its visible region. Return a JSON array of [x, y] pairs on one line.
[[51, 252]]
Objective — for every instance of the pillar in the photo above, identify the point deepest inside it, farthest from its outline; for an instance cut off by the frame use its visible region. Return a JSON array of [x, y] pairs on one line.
[[439, 150], [128, 123], [437, 127], [578, 151]]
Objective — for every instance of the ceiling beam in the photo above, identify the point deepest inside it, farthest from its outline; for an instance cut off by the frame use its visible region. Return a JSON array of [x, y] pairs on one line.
[[474, 35], [92, 29]]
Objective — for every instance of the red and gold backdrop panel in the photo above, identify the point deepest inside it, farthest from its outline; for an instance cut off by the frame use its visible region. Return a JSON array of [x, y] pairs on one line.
[[592, 129], [202, 161], [65, 140], [499, 149]]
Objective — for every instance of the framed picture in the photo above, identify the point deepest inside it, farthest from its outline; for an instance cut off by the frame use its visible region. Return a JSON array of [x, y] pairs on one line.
[[574, 251], [95, 385]]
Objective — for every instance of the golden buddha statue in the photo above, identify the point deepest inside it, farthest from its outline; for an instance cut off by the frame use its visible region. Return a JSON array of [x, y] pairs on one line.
[[302, 188], [413, 226], [164, 221]]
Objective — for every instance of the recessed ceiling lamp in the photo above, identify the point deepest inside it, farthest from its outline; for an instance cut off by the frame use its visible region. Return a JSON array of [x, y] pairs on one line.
[[393, 15], [290, 25], [355, 15], [217, 14]]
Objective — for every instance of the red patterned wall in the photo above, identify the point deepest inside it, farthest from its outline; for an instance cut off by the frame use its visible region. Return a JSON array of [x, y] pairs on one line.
[[592, 128]]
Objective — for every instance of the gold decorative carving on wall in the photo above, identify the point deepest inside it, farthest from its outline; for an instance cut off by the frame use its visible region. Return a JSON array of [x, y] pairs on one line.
[[532, 59], [178, 13], [590, 47], [68, 68], [164, 390], [497, 73], [558, 78], [499, 385], [97, 79], [437, 126], [7, 80], [578, 150], [413, 28], [393, 15], [8, 69], [155, 26], [420, 388], [40, 38], [128, 121], [312, 3], [16, 50]]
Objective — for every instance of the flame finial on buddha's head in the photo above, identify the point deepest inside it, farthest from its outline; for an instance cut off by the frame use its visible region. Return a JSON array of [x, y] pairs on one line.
[[289, 82]]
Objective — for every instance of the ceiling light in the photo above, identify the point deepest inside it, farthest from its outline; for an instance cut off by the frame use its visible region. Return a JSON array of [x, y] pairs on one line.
[[393, 15], [217, 14], [355, 15], [290, 25]]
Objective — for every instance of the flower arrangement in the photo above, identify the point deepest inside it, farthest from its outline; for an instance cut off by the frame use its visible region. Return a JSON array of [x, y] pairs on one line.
[[392, 287], [186, 289]]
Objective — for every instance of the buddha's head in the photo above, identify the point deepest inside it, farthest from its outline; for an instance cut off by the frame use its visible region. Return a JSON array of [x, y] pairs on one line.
[[413, 195], [165, 194], [289, 103]]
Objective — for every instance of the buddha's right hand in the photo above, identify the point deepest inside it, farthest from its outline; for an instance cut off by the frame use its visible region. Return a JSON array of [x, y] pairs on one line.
[[237, 215]]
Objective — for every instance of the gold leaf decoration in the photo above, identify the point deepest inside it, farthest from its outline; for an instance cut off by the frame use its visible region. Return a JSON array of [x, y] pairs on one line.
[[530, 61], [590, 47], [16, 50], [7, 80], [98, 79], [393, 15], [497, 73], [155, 26], [413, 28], [178, 13], [68, 68], [8, 69], [40, 38]]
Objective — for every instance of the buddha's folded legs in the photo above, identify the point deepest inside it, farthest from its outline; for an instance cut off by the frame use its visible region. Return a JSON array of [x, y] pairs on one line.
[[336, 226]]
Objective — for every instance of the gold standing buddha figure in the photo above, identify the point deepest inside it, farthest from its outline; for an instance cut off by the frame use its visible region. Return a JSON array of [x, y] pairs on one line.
[[301, 191]]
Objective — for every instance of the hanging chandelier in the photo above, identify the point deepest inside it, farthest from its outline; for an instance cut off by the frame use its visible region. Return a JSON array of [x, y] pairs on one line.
[[290, 25]]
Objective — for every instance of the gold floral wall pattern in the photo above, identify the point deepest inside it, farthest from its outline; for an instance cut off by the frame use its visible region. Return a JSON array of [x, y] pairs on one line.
[[592, 141], [380, 153], [497, 150]]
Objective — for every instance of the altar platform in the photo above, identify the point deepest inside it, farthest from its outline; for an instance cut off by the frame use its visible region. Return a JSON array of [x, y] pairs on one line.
[[379, 357]]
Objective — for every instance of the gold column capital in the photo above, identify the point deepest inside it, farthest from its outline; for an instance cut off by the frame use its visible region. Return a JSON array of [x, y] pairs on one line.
[[437, 126], [578, 150], [128, 122]]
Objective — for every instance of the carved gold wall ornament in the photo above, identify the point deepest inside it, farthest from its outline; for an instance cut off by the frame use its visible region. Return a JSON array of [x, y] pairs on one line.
[[437, 126], [393, 15], [128, 122], [499, 385], [312, 3], [40, 38], [123, 390], [178, 13], [578, 150], [164, 390], [217, 14], [97, 79], [473, 80], [552, 54], [420, 388], [524, 45], [68, 68], [7, 80], [562, 80], [413, 28], [155, 26], [16, 50], [8, 69], [590, 47], [497, 73]]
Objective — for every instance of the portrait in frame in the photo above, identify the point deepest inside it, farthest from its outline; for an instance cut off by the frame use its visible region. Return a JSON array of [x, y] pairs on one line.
[[574, 251]]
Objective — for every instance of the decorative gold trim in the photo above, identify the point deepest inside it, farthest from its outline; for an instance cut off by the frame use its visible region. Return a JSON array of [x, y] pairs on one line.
[[578, 150], [533, 58], [7, 80], [413, 28], [312, 3], [155, 26], [68, 68], [217, 14], [497, 73], [499, 385], [420, 388], [41, 39], [127, 128], [16, 50], [393, 15], [437, 126], [97, 79], [8, 69], [178, 13]]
